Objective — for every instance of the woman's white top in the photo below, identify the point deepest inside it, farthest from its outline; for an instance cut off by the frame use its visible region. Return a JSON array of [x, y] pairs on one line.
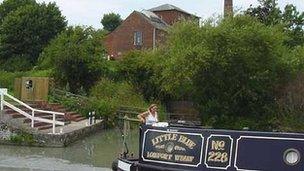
[[150, 119]]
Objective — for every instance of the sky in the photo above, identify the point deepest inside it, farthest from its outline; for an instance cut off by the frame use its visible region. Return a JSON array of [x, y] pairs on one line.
[[90, 12]]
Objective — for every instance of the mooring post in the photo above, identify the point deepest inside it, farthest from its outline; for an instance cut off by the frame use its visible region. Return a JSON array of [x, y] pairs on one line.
[[94, 118], [125, 134], [125, 127], [90, 118]]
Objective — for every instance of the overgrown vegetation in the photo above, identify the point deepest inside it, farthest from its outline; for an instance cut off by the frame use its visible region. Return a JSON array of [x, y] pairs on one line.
[[232, 71], [105, 98], [76, 57], [22, 137], [240, 71]]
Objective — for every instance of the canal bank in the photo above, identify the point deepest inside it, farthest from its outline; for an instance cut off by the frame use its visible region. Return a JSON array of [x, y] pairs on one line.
[[12, 133], [70, 134], [97, 152]]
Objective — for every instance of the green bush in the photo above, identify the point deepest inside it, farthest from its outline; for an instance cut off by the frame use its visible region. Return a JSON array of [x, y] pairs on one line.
[[77, 58], [107, 96], [142, 69], [102, 108], [39, 73], [231, 70], [104, 98], [7, 79], [16, 64], [120, 93], [22, 137]]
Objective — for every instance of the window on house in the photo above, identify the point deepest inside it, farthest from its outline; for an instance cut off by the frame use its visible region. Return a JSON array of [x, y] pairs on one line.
[[138, 38]]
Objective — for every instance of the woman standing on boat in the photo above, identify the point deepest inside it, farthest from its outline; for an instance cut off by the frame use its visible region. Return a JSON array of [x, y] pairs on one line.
[[149, 117]]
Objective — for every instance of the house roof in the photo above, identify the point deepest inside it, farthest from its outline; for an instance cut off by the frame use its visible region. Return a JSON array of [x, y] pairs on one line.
[[153, 19], [168, 7]]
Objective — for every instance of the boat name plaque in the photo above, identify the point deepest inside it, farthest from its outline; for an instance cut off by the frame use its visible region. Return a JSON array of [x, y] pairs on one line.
[[173, 147]]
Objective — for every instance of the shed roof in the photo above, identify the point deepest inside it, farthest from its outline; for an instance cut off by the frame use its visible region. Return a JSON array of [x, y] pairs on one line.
[[153, 19]]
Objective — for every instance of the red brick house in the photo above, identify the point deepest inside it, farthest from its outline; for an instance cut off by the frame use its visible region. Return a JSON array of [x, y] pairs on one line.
[[144, 30]]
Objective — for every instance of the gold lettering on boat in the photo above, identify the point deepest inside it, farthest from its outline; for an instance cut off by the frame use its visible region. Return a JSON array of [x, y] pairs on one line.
[[184, 158], [169, 157], [164, 137], [155, 155], [186, 141]]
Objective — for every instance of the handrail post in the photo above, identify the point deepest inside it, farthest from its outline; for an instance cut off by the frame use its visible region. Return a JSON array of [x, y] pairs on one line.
[[54, 118], [3, 91], [1, 100], [33, 118]]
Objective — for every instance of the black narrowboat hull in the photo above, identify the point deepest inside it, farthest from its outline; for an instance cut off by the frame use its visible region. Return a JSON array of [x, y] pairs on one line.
[[192, 149]]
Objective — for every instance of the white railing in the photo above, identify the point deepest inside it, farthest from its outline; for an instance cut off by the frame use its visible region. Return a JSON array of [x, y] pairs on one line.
[[3, 93]]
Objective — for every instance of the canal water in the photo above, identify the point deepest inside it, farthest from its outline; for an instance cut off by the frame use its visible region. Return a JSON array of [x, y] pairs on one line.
[[94, 153]]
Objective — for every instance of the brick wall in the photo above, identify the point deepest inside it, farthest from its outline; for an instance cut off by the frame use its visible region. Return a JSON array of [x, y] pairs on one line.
[[172, 16], [121, 40], [160, 37]]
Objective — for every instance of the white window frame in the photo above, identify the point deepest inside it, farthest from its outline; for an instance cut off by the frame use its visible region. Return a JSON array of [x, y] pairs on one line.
[[138, 38]]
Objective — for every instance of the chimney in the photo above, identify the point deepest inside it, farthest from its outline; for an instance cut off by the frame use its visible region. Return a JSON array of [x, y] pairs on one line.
[[228, 7]]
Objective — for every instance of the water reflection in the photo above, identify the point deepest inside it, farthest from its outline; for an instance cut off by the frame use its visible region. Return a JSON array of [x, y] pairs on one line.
[[94, 153]]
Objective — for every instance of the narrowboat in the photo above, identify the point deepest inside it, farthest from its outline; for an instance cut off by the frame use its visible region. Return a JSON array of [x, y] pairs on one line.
[[184, 148]]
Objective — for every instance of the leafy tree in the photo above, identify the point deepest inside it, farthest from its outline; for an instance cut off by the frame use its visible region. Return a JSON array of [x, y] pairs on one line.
[[292, 20], [231, 71], [142, 69], [77, 58], [27, 30], [8, 6], [16, 63], [111, 21]]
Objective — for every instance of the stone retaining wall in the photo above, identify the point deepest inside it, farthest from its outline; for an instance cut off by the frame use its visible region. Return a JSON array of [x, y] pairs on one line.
[[62, 140], [58, 140]]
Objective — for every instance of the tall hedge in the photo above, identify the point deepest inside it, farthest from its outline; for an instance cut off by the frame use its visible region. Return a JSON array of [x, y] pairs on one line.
[[231, 70]]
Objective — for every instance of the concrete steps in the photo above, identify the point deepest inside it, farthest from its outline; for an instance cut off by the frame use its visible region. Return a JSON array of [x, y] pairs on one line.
[[67, 118], [70, 115], [43, 127], [73, 116], [62, 119]]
